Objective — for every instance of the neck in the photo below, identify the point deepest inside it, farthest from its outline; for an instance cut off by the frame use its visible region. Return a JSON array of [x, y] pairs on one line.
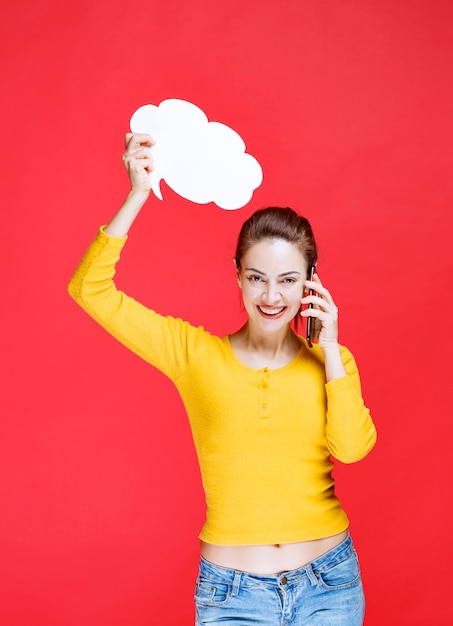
[[265, 344]]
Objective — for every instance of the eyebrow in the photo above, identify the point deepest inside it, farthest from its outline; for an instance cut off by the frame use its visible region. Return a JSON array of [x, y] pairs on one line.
[[252, 269]]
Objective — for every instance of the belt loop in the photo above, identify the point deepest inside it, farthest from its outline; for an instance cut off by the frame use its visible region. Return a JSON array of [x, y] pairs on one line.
[[311, 574], [236, 583]]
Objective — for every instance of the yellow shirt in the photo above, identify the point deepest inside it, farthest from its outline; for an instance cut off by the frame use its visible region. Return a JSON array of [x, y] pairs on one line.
[[264, 438]]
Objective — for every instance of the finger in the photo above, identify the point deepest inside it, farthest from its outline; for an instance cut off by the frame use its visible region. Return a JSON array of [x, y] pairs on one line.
[[316, 285], [147, 164], [138, 165], [319, 302], [322, 321], [322, 324], [323, 316], [138, 155], [320, 290], [316, 326], [134, 140], [315, 279]]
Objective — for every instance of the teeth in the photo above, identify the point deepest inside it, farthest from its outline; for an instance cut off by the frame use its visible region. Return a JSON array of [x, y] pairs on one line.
[[271, 311]]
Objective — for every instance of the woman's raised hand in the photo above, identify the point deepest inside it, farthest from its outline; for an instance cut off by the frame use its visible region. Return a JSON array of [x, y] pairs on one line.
[[324, 313], [139, 164], [138, 161]]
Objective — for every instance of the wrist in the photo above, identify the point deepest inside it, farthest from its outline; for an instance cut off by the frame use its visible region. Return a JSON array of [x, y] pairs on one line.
[[331, 348], [138, 195], [333, 361]]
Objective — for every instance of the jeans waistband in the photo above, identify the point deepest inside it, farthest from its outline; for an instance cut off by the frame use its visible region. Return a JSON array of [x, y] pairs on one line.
[[322, 563]]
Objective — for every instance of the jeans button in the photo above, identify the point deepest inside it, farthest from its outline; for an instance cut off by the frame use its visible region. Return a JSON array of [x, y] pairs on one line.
[[284, 580]]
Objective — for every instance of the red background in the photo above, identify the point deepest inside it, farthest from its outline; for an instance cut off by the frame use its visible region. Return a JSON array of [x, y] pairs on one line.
[[347, 105]]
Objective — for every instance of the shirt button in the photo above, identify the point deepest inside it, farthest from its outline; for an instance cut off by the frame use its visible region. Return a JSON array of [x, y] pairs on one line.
[[284, 580], [264, 406]]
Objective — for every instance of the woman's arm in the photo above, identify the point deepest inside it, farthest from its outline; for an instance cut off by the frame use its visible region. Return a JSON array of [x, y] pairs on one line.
[[350, 431], [161, 341], [325, 313], [139, 164]]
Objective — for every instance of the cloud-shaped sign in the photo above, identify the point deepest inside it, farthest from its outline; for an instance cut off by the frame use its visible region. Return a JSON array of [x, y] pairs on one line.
[[201, 161]]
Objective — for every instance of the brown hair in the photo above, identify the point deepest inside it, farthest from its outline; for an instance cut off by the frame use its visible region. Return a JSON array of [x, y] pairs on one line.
[[277, 223]]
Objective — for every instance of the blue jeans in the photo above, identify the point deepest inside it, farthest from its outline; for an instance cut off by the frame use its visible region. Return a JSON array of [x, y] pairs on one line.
[[326, 592]]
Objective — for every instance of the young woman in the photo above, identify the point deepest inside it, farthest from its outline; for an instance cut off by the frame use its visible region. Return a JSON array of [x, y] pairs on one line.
[[267, 413]]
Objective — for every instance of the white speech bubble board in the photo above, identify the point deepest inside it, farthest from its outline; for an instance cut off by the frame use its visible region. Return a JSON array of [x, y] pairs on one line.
[[201, 161]]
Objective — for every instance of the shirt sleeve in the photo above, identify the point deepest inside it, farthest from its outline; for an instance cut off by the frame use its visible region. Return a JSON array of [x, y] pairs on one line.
[[164, 342], [350, 430]]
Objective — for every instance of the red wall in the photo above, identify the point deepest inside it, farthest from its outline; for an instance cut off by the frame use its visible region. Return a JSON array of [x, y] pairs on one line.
[[347, 105]]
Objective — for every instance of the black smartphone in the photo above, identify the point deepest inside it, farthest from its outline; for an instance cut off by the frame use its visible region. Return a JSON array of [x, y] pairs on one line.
[[310, 273]]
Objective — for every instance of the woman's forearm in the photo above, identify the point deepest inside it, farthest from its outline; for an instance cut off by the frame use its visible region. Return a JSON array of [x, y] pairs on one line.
[[121, 222], [333, 363]]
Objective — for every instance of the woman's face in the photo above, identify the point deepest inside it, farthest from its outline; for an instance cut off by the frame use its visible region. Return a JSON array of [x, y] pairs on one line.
[[272, 277]]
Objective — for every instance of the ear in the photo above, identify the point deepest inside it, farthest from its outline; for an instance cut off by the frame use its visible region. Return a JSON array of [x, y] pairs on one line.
[[238, 274]]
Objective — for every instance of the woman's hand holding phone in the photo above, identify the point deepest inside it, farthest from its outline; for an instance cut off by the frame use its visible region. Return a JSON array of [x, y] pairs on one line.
[[321, 313]]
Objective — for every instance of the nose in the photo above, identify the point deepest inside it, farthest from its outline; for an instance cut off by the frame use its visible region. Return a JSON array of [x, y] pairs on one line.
[[271, 294]]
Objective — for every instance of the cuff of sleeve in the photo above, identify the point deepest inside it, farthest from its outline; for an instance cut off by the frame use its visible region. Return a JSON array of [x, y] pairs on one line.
[[104, 236], [339, 384]]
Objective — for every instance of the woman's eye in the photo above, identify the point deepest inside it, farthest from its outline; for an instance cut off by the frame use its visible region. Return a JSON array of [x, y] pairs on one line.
[[254, 278], [289, 281]]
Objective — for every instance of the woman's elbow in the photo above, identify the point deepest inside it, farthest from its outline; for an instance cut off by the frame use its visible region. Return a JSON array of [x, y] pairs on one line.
[[352, 452]]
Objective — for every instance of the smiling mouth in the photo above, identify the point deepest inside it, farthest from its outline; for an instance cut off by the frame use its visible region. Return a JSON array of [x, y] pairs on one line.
[[271, 312]]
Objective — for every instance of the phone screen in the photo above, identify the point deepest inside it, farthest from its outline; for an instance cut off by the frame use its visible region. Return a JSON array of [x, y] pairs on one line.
[[310, 273]]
